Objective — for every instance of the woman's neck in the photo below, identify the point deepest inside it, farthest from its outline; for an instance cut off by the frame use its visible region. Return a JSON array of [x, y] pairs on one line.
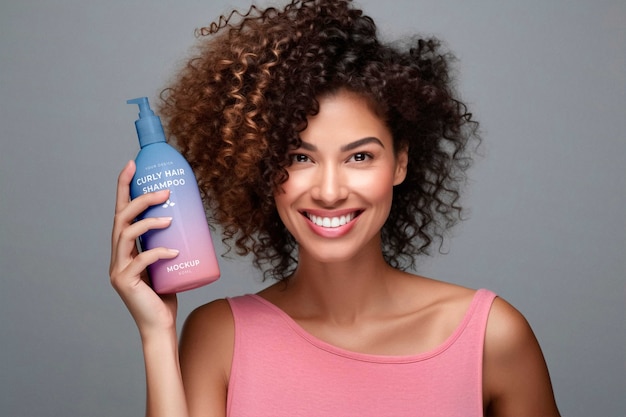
[[342, 292]]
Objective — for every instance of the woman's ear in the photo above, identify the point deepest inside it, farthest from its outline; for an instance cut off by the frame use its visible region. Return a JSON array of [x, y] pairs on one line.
[[402, 160]]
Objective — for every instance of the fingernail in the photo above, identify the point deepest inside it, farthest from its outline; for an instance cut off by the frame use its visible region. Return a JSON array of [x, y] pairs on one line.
[[173, 251], [166, 219]]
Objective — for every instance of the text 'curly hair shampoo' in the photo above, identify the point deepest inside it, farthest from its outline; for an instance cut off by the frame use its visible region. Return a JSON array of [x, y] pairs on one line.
[[159, 167]]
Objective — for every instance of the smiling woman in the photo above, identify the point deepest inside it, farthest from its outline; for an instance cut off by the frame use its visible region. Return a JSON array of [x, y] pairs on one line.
[[341, 180], [335, 160]]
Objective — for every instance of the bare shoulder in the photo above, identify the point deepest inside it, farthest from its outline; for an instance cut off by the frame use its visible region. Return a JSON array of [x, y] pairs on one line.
[[515, 376], [206, 350], [209, 331], [215, 315], [507, 329]]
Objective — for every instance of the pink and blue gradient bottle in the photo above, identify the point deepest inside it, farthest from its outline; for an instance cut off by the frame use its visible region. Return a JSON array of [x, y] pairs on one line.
[[159, 167]]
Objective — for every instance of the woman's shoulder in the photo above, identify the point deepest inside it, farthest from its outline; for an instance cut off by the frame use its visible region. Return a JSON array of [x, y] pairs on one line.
[[209, 325], [508, 331], [208, 335], [507, 328], [515, 375], [212, 314]]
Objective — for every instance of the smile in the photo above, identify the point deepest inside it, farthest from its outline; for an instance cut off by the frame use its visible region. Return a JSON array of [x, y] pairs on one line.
[[331, 222]]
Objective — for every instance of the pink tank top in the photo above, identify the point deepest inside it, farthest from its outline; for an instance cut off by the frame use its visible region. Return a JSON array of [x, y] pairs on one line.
[[280, 370]]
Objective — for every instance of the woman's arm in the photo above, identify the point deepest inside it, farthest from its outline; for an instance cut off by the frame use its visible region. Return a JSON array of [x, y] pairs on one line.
[[515, 376], [195, 382], [154, 315], [165, 395]]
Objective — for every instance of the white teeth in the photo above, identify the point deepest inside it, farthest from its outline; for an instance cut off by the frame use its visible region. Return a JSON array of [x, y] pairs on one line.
[[331, 222]]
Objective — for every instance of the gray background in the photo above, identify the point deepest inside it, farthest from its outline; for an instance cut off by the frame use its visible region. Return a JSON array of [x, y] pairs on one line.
[[547, 230]]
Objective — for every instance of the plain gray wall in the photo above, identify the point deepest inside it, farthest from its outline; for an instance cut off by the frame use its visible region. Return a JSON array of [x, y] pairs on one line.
[[547, 230]]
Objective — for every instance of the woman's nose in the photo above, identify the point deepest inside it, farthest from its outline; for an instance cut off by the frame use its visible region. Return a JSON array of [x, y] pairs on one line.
[[330, 186]]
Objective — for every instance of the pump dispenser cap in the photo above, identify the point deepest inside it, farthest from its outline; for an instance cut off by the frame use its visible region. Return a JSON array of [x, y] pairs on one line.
[[149, 128]]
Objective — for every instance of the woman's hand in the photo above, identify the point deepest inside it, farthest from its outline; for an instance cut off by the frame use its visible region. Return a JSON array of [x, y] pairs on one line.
[[152, 312]]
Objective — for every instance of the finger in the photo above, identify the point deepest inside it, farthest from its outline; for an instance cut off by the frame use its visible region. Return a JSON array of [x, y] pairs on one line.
[[127, 242], [121, 201], [124, 247], [134, 208], [139, 265], [123, 185]]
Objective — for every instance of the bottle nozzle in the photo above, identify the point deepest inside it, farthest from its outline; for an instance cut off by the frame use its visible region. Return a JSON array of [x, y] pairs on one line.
[[144, 106], [149, 128]]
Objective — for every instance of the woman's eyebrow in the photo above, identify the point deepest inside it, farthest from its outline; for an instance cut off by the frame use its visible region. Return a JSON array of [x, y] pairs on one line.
[[361, 142], [348, 147]]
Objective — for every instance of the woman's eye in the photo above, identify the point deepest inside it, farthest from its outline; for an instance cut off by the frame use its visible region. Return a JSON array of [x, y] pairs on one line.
[[298, 157], [360, 157]]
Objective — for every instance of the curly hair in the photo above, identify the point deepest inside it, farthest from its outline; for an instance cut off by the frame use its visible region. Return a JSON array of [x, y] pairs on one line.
[[239, 104]]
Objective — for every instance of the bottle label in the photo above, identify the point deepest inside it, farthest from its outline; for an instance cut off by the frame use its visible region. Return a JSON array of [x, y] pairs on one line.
[[181, 267], [161, 180]]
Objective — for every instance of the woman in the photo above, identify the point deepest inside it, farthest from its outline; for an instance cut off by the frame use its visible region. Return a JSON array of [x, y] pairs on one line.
[[335, 160]]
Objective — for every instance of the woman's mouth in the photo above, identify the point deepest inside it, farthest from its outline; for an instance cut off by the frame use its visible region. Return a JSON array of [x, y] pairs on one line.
[[333, 221]]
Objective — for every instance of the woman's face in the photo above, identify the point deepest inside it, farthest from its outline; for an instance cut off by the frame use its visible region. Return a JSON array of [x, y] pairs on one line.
[[341, 179]]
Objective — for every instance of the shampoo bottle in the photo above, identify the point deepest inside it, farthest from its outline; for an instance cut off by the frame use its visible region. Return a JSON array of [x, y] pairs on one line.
[[159, 167]]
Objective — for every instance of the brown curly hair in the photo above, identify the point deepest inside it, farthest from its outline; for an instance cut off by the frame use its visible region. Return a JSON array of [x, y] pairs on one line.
[[239, 104]]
